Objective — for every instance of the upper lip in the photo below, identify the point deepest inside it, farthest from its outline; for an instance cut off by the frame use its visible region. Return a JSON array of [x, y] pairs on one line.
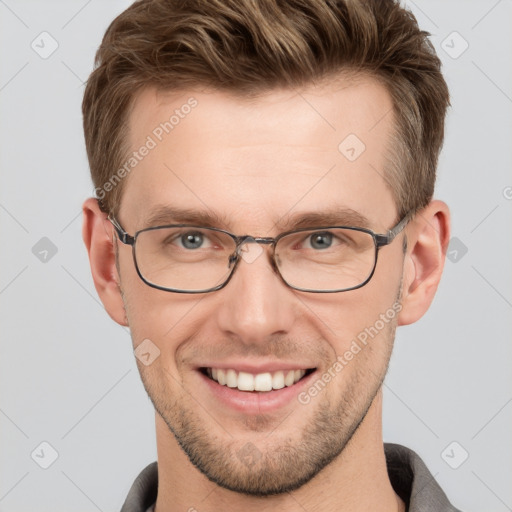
[[259, 367]]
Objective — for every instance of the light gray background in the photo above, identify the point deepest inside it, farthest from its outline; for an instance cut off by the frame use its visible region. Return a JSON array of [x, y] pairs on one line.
[[67, 372]]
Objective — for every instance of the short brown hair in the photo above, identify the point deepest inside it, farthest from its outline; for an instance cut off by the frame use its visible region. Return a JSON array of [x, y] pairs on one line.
[[252, 46]]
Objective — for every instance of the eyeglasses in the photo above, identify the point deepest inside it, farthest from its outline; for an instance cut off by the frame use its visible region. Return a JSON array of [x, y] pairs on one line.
[[186, 258]]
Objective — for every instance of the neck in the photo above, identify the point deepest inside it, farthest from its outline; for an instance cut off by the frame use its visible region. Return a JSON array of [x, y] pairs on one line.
[[356, 481]]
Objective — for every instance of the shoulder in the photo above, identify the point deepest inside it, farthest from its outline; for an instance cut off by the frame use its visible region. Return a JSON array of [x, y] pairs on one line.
[[413, 482], [142, 494]]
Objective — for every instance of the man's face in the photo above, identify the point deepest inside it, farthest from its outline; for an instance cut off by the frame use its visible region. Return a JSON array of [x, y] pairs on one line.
[[258, 164]]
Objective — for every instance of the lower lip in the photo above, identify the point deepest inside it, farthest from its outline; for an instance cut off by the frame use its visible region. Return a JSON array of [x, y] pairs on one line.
[[256, 402]]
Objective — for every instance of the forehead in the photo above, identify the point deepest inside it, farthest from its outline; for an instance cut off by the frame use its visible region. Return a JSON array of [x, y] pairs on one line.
[[258, 159]]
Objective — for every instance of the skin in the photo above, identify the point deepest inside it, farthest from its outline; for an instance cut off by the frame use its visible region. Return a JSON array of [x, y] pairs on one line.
[[255, 163]]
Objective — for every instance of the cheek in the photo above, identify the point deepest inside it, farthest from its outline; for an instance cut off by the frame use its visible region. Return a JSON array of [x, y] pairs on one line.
[[163, 385], [362, 315], [342, 320], [164, 318]]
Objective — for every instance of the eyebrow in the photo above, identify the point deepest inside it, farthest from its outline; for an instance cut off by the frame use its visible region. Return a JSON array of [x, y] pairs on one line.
[[164, 215]]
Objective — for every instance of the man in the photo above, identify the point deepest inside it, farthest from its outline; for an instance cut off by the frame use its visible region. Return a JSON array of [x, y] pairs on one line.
[[264, 220]]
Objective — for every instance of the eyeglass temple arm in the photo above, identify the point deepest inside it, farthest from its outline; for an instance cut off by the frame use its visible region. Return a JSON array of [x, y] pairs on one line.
[[393, 232], [121, 233]]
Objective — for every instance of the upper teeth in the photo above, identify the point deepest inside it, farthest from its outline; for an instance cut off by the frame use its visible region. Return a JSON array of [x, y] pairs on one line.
[[260, 382]]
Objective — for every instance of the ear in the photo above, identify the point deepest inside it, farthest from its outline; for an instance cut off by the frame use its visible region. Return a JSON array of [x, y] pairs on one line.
[[98, 236], [427, 237]]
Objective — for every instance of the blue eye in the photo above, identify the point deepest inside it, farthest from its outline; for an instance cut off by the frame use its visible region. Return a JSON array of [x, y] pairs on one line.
[[321, 240], [192, 240]]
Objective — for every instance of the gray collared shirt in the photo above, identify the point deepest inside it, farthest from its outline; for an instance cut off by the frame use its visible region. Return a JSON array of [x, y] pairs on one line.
[[409, 476]]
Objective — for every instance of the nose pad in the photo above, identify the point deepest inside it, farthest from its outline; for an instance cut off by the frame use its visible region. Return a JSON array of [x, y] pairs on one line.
[[250, 250]]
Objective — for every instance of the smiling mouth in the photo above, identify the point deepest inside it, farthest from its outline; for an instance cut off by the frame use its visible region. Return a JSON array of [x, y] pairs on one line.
[[268, 381]]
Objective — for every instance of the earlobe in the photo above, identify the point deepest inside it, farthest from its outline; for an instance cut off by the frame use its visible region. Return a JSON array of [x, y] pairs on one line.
[[428, 237], [97, 233]]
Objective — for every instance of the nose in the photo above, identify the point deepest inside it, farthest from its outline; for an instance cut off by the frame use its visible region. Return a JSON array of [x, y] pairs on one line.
[[255, 304]]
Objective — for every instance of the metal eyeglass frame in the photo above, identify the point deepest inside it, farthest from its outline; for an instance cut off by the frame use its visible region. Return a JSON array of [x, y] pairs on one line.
[[380, 240]]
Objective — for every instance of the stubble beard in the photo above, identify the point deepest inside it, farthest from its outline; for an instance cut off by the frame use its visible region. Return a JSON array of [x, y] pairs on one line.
[[280, 464]]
